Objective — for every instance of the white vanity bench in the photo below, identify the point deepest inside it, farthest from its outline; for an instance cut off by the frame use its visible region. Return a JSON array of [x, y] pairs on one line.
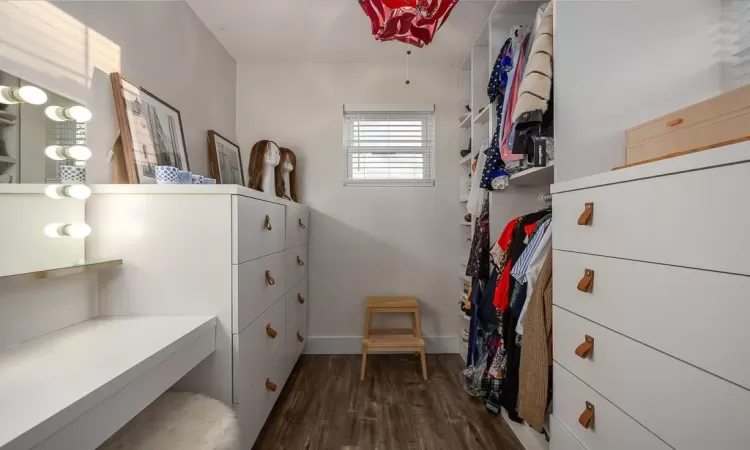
[[73, 388]]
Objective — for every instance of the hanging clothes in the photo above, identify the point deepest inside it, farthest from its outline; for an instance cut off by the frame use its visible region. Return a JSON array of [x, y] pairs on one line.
[[496, 94], [479, 257], [533, 117], [532, 272], [512, 95], [535, 383], [476, 195]]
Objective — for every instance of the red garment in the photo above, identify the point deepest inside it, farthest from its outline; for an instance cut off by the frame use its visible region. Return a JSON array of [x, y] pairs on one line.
[[503, 284]]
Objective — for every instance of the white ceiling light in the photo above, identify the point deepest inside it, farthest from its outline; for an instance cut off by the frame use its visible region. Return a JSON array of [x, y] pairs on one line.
[[60, 114], [25, 94], [60, 153]]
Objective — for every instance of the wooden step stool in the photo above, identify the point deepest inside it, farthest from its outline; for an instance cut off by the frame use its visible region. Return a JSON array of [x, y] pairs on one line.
[[384, 339]]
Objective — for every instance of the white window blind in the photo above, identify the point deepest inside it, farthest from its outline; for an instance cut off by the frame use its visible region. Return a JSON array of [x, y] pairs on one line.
[[738, 13], [389, 148]]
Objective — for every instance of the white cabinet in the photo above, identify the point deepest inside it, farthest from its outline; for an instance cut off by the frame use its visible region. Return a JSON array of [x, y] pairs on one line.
[[224, 251], [665, 263]]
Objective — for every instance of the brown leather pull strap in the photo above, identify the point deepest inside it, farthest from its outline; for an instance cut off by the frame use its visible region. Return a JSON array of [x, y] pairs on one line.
[[269, 278], [300, 262], [268, 223], [587, 214], [586, 418], [675, 122], [587, 282], [300, 337], [302, 224], [300, 299], [271, 332], [585, 349], [271, 387]]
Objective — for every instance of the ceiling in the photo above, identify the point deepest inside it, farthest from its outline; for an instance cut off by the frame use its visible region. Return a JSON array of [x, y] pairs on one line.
[[328, 31]]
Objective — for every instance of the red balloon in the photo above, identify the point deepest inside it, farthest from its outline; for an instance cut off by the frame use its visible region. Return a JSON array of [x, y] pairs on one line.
[[411, 21]]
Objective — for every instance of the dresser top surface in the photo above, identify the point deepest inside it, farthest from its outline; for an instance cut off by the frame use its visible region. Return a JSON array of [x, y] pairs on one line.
[[721, 156], [188, 189]]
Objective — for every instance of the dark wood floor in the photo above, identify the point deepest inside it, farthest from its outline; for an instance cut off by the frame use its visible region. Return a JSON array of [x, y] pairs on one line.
[[325, 406]]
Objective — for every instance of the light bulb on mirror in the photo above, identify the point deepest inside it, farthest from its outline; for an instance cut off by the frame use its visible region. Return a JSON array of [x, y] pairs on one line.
[[25, 94], [77, 191], [74, 230], [60, 153], [60, 114]]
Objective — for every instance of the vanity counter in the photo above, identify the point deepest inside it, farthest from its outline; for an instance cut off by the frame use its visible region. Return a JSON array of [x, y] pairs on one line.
[[75, 387]]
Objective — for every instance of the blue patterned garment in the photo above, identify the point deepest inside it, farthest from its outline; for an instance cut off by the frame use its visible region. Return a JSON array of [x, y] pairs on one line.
[[496, 93]]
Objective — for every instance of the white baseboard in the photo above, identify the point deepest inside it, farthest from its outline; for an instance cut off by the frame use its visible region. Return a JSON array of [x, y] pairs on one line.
[[352, 345]]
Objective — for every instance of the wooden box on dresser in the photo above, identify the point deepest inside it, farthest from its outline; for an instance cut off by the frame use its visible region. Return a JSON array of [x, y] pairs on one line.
[[659, 280], [221, 250]]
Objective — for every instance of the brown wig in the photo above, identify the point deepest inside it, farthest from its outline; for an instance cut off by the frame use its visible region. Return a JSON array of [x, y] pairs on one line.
[[257, 162], [288, 155]]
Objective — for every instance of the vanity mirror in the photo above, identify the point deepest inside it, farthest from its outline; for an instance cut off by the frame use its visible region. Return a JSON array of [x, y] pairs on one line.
[[42, 178]]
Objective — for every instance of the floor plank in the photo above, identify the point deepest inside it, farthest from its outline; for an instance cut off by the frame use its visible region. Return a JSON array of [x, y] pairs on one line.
[[324, 406]]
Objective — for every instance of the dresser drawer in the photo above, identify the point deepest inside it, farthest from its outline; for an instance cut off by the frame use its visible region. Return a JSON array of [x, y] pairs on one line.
[[669, 220], [561, 438], [297, 217], [296, 323], [685, 313], [257, 284], [685, 406], [259, 354], [611, 429], [296, 265], [258, 228]]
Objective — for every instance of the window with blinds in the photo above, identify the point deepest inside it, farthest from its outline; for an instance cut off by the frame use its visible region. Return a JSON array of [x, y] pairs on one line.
[[389, 148], [738, 14]]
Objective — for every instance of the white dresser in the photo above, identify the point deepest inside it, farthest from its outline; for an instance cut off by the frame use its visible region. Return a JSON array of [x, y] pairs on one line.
[[659, 280], [225, 251]]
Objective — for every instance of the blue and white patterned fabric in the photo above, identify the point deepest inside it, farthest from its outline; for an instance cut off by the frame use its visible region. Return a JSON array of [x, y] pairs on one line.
[[496, 93], [519, 268]]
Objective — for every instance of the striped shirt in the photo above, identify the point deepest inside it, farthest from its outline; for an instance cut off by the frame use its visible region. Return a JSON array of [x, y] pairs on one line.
[[519, 268]]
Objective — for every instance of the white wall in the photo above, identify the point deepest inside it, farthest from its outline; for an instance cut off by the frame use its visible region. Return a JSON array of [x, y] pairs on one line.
[[70, 48], [622, 63], [363, 241]]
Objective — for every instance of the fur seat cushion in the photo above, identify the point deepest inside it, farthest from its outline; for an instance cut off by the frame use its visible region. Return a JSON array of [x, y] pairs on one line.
[[179, 420]]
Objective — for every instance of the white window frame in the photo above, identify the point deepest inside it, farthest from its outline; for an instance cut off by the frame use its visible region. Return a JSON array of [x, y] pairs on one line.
[[428, 112]]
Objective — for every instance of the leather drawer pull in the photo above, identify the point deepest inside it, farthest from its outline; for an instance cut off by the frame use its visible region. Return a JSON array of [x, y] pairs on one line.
[[300, 262], [270, 387], [675, 122], [269, 278], [302, 224], [300, 337], [271, 332], [586, 418], [587, 214], [587, 282], [268, 223], [300, 299], [585, 349]]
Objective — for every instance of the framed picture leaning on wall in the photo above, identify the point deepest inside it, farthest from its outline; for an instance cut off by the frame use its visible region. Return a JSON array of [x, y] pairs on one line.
[[151, 132], [226, 162]]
